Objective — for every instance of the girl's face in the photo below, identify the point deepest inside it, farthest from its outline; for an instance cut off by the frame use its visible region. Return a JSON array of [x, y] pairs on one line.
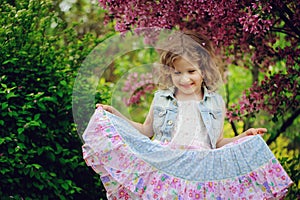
[[187, 79]]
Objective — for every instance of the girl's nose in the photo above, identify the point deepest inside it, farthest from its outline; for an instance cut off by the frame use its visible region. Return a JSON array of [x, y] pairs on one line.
[[185, 78]]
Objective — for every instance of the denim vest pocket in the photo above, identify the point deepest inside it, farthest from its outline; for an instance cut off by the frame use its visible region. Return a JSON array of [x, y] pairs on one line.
[[163, 122], [159, 114]]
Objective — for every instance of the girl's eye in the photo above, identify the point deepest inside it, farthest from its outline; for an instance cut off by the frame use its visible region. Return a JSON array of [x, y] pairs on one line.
[[175, 72], [192, 71]]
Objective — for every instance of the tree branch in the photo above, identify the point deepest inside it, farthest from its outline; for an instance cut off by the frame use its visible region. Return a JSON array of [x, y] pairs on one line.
[[227, 104], [282, 12], [282, 30], [234, 128], [284, 126]]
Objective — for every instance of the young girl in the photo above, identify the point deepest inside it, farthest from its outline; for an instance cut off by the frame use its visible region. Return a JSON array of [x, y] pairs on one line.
[[179, 152]]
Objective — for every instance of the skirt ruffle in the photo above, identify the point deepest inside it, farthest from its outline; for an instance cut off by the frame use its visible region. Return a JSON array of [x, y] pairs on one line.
[[132, 166]]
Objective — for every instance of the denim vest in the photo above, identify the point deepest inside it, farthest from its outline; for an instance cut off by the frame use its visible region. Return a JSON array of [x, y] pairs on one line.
[[165, 110]]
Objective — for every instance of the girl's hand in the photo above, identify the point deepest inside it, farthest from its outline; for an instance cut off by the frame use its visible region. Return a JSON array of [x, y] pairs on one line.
[[108, 108], [254, 131]]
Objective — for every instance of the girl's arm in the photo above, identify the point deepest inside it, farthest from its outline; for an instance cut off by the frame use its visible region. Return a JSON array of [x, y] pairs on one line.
[[145, 128], [252, 131]]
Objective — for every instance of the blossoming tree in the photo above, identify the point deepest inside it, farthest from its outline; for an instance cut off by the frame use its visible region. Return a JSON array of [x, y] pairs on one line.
[[261, 36]]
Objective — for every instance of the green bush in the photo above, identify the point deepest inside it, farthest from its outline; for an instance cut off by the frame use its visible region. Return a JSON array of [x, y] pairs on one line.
[[41, 154]]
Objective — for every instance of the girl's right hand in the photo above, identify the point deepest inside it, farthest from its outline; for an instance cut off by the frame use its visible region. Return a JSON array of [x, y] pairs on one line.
[[108, 108]]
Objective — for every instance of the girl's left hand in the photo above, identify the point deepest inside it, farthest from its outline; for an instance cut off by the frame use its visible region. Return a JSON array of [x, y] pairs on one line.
[[254, 131]]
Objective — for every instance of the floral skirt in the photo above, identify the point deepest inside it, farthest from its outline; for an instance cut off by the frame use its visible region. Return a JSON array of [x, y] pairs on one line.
[[131, 166]]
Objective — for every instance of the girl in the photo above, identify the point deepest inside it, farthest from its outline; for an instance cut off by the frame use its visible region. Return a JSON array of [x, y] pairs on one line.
[[179, 152]]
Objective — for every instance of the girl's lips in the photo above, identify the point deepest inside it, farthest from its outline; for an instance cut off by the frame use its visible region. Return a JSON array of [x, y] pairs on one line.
[[187, 85]]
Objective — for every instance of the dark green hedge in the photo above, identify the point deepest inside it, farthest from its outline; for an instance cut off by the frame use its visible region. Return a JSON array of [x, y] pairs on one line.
[[40, 152]]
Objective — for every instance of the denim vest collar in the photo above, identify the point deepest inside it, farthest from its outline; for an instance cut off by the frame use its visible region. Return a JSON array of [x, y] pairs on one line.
[[170, 92]]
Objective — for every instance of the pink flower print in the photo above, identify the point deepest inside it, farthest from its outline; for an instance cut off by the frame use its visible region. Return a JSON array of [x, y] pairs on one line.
[[253, 176], [233, 189], [140, 165], [121, 156], [125, 164], [277, 170], [155, 196], [158, 187], [241, 191], [142, 191], [116, 138], [175, 183], [191, 193], [104, 159], [98, 128], [123, 193], [197, 195], [283, 177], [153, 182], [123, 175], [246, 181], [210, 186]]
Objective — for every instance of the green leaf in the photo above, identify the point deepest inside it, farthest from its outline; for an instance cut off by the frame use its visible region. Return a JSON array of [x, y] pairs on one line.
[[4, 105], [32, 173], [20, 130], [26, 170], [37, 166], [11, 150], [21, 137], [32, 123], [42, 106], [65, 186], [51, 156], [36, 117], [11, 95], [40, 151], [38, 185], [51, 99], [52, 174], [12, 60], [4, 85]]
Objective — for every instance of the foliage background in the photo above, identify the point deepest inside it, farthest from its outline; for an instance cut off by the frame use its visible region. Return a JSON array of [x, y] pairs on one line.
[[43, 43]]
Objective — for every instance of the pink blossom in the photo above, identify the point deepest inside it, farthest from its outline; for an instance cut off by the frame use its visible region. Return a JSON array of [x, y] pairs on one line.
[[138, 86], [241, 29]]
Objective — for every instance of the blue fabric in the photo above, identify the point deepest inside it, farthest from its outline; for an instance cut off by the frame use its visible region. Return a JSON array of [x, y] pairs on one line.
[[196, 165]]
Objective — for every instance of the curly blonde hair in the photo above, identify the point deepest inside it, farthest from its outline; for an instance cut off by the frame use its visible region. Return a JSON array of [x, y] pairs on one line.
[[195, 48]]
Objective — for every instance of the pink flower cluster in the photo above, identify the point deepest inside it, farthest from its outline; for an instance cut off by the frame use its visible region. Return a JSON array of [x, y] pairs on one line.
[[276, 95], [238, 27], [254, 24], [138, 86]]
